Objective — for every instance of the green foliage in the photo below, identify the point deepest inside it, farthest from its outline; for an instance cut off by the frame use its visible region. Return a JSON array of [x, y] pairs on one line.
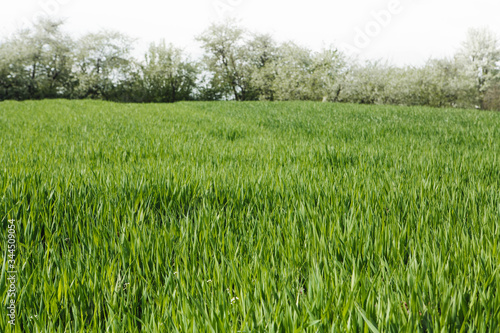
[[252, 217], [492, 97], [226, 59], [249, 67], [292, 73], [103, 62], [480, 56], [37, 63], [43, 62], [166, 75], [440, 83]]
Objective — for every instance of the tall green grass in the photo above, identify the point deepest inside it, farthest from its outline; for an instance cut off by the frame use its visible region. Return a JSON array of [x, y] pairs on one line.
[[251, 217]]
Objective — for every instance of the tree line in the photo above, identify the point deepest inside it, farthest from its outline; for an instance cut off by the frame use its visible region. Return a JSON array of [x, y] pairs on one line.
[[45, 62]]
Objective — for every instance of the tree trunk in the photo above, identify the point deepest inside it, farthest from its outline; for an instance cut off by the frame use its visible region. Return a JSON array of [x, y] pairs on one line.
[[172, 85], [33, 73], [233, 85]]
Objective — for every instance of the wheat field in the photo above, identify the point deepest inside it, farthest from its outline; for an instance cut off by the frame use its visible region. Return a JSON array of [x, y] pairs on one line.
[[250, 217]]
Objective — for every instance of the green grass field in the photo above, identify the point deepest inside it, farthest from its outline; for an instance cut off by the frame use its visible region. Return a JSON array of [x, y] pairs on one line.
[[250, 217]]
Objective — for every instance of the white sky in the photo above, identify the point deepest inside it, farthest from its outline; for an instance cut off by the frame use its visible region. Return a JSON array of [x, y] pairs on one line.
[[413, 31]]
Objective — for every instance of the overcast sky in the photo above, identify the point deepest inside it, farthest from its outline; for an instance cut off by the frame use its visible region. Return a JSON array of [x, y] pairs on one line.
[[405, 32]]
